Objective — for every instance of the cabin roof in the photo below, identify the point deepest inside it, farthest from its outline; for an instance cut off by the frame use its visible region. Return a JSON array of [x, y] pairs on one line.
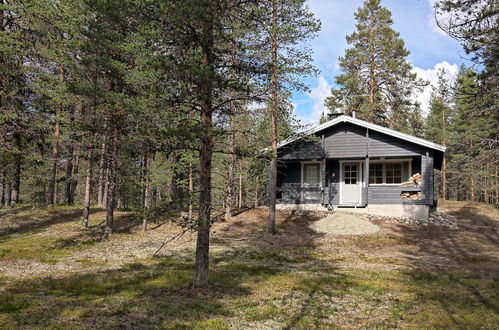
[[362, 123]]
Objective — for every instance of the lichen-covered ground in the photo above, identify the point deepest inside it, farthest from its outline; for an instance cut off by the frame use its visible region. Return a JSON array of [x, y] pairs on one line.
[[52, 274]]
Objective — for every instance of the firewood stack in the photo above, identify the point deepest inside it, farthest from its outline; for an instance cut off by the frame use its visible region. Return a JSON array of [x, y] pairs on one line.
[[410, 195], [414, 181]]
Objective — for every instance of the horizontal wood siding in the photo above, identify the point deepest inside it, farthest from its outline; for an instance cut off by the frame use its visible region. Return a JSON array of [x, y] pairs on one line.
[[292, 194], [302, 150], [391, 195], [345, 141], [289, 172], [388, 146], [332, 179]]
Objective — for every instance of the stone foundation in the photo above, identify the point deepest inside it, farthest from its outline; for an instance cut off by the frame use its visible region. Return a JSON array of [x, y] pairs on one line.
[[301, 207], [391, 210]]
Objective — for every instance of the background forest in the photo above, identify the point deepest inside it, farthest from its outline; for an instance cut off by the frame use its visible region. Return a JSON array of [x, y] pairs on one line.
[[155, 106]]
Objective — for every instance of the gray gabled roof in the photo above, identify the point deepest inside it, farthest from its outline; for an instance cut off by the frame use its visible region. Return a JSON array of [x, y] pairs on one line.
[[362, 123]]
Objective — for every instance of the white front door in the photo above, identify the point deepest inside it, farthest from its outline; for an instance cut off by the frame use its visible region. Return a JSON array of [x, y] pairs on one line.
[[351, 184]]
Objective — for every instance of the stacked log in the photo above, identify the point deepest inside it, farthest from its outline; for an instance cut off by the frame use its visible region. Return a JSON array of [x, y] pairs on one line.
[[414, 181], [410, 195]]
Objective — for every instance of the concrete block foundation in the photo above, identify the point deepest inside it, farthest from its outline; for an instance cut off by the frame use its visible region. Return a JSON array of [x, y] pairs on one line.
[[389, 210]]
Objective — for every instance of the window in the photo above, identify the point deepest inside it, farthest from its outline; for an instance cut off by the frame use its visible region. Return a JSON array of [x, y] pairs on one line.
[[311, 173], [389, 172], [350, 174], [376, 173], [393, 173]]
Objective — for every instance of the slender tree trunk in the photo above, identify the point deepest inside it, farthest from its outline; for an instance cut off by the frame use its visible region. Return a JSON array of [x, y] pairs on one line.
[[3, 177], [51, 193], [191, 190], [497, 187], [147, 187], [177, 186], [240, 185], [486, 185], [472, 187], [74, 175], [206, 152], [16, 188], [69, 173], [444, 160], [230, 170], [472, 176], [102, 167], [111, 179], [8, 194], [88, 185], [273, 124], [256, 192], [443, 178], [372, 79]]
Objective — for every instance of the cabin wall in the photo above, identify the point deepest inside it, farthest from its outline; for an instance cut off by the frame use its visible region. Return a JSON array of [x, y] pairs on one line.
[[348, 141]]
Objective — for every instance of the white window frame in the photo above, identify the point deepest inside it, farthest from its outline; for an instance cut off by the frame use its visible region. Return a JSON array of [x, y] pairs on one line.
[[303, 162], [385, 161]]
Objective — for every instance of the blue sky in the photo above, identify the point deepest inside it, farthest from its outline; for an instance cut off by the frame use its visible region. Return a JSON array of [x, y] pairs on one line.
[[430, 48]]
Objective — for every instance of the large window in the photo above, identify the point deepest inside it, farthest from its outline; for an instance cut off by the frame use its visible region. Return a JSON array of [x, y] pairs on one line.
[[311, 173], [393, 172], [376, 173]]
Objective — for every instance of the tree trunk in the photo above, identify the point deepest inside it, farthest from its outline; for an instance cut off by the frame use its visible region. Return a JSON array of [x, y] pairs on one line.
[[3, 177], [230, 170], [191, 190], [206, 151], [16, 188], [486, 185], [88, 186], [8, 194], [240, 204], [372, 81], [147, 188], [69, 173], [74, 175], [256, 192], [177, 186], [443, 178], [273, 124], [102, 168], [111, 179], [444, 160], [51, 192], [497, 187]]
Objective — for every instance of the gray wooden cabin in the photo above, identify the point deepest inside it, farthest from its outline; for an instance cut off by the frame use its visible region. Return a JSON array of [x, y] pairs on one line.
[[348, 163]]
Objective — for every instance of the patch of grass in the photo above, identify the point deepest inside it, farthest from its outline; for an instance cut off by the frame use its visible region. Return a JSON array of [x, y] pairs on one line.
[[12, 303], [213, 324]]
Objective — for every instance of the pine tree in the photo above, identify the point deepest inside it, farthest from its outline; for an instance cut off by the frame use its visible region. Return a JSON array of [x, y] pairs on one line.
[[377, 80], [438, 121], [291, 26], [474, 24]]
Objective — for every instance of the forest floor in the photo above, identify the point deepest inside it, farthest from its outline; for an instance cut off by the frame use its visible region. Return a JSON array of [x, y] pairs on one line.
[[53, 274]]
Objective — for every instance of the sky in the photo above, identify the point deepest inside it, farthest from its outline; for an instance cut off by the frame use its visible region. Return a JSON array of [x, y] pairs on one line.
[[431, 49]]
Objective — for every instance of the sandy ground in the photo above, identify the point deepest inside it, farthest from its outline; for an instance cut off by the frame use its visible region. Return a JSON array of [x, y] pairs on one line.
[[408, 246]]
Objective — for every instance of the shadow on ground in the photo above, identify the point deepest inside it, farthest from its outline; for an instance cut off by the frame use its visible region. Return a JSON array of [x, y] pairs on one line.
[[158, 292]]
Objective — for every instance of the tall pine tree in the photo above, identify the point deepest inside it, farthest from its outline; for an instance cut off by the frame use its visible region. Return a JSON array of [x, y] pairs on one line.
[[377, 80]]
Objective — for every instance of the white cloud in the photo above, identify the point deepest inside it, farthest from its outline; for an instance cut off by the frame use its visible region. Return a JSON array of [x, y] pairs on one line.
[[431, 75], [433, 16], [318, 94]]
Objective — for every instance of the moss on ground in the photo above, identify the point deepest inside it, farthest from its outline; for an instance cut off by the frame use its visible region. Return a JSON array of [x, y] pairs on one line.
[[300, 288]]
